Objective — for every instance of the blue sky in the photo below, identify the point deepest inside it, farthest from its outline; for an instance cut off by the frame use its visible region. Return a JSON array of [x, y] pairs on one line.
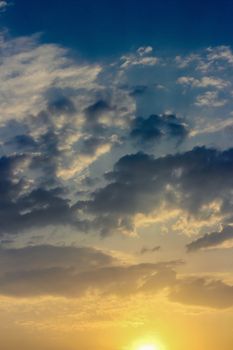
[[98, 29]]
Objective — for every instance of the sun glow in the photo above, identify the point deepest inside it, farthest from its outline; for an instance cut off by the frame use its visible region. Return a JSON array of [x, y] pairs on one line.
[[154, 345], [148, 347]]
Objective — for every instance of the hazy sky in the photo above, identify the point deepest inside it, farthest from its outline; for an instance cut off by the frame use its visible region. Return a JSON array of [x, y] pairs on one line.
[[116, 175]]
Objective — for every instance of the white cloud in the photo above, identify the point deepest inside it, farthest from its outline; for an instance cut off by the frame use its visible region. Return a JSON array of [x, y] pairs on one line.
[[3, 5], [144, 50], [34, 75], [220, 53], [204, 82], [210, 99], [28, 69], [211, 59], [142, 57]]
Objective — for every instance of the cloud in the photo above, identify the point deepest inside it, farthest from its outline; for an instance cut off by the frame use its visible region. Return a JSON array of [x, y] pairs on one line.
[[204, 82], [3, 5], [56, 120], [73, 272], [30, 69], [154, 128], [220, 54], [48, 257], [36, 209], [203, 292], [142, 58], [211, 59], [210, 240], [142, 184], [138, 90], [210, 99], [63, 120], [50, 97], [150, 250], [144, 50]]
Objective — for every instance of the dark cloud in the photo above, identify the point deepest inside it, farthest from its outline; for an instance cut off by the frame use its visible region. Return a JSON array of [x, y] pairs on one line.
[[153, 128], [60, 105], [145, 250], [42, 151], [75, 271], [211, 239], [73, 275], [93, 114], [139, 183], [23, 142], [22, 207], [97, 109], [37, 209], [49, 256], [90, 181], [138, 90], [203, 292], [6, 241]]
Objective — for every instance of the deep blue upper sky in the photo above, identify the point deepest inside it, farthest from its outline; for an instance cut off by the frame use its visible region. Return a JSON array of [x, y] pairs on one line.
[[102, 28]]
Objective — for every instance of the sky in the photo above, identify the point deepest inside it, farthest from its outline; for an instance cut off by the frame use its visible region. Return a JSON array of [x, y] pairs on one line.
[[116, 162]]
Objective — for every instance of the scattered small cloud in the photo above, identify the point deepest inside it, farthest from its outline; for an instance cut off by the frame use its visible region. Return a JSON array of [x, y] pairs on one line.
[[145, 250]]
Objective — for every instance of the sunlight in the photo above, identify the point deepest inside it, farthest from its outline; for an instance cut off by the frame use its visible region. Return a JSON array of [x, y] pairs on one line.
[[152, 345], [149, 347]]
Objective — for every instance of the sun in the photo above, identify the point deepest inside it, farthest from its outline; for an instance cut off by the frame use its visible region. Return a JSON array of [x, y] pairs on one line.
[[148, 347], [148, 343]]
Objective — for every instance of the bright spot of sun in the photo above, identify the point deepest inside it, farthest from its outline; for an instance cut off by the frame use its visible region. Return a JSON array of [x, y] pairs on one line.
[[148, 347], [150, 343]]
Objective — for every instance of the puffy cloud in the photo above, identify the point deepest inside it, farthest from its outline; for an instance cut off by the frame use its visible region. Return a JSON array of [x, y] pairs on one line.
[[220, 54], [36, 209], [56, 120], [153, 128], [142, 57], [52, 98], [139, 183], [210, 240], [211, 59], [210, 99], [204, 82], [144, 50], [59, 116]]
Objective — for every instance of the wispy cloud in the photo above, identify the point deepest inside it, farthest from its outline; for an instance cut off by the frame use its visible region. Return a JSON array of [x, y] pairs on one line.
[[3, 5], [211, 240]]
